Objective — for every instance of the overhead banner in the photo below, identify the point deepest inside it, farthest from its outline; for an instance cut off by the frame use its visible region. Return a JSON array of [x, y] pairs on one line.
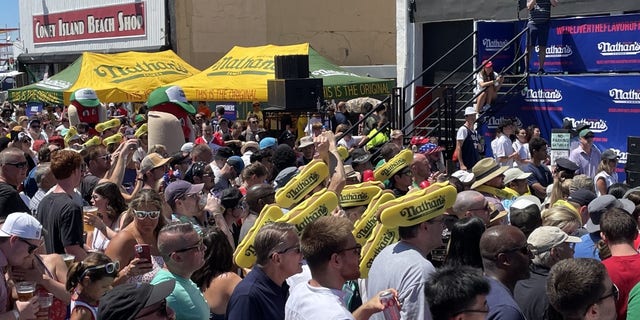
[[491, 36], [611, 102]]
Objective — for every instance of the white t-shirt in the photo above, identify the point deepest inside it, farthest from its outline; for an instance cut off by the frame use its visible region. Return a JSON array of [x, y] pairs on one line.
[[503, 148], [479, 80], [307, 302]]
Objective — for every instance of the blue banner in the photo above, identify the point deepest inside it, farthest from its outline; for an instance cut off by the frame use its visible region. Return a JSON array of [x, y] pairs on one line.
[[490, 37], [610, 104]]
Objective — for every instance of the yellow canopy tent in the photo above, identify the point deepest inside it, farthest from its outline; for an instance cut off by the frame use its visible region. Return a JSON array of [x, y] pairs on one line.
[[242, 74], [118, 77]]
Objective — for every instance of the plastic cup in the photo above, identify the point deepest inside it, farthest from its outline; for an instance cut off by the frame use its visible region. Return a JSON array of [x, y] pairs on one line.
[[25, 290], [68, 259], [85, 210], [45, 299]]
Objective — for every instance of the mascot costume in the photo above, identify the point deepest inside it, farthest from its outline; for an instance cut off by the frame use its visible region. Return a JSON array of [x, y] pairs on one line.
[[85, 107], [168, 119]]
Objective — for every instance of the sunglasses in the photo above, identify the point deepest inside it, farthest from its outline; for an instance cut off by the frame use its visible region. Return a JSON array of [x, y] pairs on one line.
[[18, 165], [357, 249], [105, 157], [109, 268], [140, 214], [615, 293], [295, 248], [200, 246], [32, 247]]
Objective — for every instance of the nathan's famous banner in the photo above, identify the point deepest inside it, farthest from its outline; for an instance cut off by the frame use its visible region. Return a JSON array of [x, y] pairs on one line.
[[610, 104], [576, 45]]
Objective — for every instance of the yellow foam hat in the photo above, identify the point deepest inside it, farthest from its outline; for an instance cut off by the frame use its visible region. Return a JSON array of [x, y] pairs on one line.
[[322, 203], [94, 141], [359, 194], [142, 130], [299, 186], [116, 138], [419, 209], [245, 254], [367, 222], [113, 123], [72, 134], [343, 152], [381, 237], [398, 162]]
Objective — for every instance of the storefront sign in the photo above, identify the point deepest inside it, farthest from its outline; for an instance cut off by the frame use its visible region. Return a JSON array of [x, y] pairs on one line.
[[117, 21]]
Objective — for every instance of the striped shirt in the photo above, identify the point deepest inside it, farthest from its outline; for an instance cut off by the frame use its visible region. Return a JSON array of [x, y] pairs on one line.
[[541, 12]]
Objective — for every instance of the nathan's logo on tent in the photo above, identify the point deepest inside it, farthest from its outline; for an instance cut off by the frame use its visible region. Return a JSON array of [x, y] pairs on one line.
[[494, 122], [542, 95], [330, 73], [233, 66], [54, 84], [595, 125], [619, 48], [631, 96], [141, 69], [494, 44], [554, 51]]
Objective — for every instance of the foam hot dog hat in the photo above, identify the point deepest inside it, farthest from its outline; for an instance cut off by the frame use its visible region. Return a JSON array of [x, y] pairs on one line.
[[321, 204], [116, 138], [72, 134], [367, 222], [94, 141], [113, 123], [299, 186], [359, 194], [381, 237], [395, 164], [144, 128], [245, 254], [419, 209]]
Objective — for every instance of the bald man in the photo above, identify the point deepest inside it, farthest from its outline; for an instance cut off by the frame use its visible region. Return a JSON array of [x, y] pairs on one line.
[[505, 258], [420, 168], [257, 197], [471, 203]]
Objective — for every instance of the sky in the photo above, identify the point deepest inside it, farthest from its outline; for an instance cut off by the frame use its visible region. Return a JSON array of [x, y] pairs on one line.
[[9, 14]]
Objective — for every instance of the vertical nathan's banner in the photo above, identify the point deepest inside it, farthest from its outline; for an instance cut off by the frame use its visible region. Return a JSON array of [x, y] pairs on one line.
[[490, 37], [115, 21], [610, 104], [595, 44]]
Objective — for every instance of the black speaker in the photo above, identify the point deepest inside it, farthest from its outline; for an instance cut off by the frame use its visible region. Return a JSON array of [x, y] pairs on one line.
[[633, 145], [294, 94], [633, 178], [292, 66], [633, 162]]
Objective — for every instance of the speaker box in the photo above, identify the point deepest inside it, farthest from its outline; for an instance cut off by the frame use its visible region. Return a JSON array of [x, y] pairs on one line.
[[291, 67], [633, 178], [633, 145], [633, 162], [294, 94]]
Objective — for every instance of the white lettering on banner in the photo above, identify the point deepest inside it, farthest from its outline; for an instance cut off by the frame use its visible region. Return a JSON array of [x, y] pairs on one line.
[[619, 48], [494, 122], [542, 95], [554, 51], [595, 125], [494, 44], [45, 30], [131, 22], [329, 73], [70, 28], [622, 155], [100, 25], [630, 96]]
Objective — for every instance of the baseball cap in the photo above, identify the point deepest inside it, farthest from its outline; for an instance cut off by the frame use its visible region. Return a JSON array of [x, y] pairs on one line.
[[125, 301], [187, 147], [23, 225], [469, 111], [230, 197], [249, 145], [609, 154], [586, 133], [360, 156], [152, 161], [237, 163], [419, 140], [429, 148], [87, 97], [173, 94], [268, 142], [487, 63], [304, 142], [515, 174], [546, 237], [598, 207], [582, 197], [464, 176], [179, 188]]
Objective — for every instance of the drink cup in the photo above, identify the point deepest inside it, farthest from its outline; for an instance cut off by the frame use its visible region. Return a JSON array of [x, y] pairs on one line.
[[86, 210], [25, 290], [45, 299], [68, 259]]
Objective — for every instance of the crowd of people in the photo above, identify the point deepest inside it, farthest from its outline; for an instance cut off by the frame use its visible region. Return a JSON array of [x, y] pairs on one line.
[[115, 228]]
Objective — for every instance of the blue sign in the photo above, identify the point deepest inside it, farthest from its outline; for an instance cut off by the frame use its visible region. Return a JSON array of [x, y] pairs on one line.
[[490, 37], [33, 108]]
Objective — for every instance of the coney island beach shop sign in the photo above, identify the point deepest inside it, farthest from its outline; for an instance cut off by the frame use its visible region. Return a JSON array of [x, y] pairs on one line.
[[116, 21]]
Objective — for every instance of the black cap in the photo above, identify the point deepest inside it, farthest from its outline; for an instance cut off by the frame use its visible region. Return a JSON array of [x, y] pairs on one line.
[[123, 302], [230, 197], [567, 164], [360, 156], [582, 197], [224, 153]]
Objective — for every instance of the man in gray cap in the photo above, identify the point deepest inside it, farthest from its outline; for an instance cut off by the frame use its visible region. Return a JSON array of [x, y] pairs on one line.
[[549, 245], [516, 180]]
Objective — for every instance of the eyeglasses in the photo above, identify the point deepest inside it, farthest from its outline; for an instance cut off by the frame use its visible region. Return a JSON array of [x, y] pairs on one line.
[[141, 214], [18, 165], [357, 249], [32, 247], [109, 268], [615, 293], [200, 246], [526, 250], [295, 248]]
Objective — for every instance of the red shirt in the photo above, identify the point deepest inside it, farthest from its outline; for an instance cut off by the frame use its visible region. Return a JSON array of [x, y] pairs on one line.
[[623, 272]]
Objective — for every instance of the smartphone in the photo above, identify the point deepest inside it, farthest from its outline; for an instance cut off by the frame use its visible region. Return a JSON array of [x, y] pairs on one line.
[[143, 251]]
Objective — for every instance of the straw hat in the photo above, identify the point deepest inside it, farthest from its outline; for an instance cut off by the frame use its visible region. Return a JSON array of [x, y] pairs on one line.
[[485, 170]]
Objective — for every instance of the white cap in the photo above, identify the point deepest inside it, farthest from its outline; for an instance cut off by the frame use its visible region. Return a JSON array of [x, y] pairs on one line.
[[469, 111], [23, 225], [187, 147], [515, 174], [463, 175]]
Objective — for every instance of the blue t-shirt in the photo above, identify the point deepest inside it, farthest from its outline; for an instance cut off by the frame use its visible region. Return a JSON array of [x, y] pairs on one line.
[[587, 248], [257, 297], [501, 304], [186, 300]]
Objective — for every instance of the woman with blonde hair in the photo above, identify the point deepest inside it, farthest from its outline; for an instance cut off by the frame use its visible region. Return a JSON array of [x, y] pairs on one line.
[[562, 217], [560, 190], [141, 226]]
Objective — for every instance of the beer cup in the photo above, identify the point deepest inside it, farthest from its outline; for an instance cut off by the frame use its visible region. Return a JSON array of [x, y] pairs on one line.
[[86, 210], [25, 290], [68, 259]]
